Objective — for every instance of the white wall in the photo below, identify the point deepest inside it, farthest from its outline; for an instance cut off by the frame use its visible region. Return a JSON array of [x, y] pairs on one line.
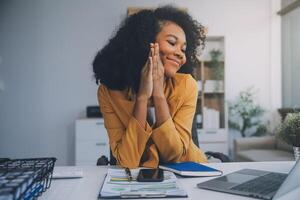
[[290, 57], [46, 50]]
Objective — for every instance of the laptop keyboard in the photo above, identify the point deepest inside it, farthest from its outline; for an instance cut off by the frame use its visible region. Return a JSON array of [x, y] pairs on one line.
[[262, 185]]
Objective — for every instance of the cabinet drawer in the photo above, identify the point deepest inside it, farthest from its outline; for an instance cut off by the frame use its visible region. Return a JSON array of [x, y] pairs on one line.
[[215, 147], [91, 129], [219, 135], [90, 151]]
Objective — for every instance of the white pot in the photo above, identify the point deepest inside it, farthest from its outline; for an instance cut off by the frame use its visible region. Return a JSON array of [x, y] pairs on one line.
[[296, 152]]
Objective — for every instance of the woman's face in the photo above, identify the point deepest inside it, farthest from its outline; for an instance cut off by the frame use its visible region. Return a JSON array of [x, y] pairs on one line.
[[172, 45]]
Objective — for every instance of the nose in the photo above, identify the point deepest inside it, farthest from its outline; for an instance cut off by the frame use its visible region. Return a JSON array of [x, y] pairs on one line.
[[179, 54]]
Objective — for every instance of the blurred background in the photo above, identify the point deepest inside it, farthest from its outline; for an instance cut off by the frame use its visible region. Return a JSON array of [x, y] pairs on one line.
[[46, 78]]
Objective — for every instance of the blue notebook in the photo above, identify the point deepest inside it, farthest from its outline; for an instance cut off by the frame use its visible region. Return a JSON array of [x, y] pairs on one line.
[[190, 169]]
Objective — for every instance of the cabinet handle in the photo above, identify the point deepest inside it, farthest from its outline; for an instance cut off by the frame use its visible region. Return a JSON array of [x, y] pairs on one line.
[[99, 123], [101, 144], [211, 132]]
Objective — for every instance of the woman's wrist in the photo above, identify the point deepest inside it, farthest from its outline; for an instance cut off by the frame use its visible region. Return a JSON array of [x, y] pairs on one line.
[[162, 112], [158, 92], [159, 97], [140, 110], [142, 98]]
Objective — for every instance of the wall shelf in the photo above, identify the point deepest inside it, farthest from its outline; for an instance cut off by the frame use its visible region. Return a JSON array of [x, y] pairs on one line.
[[211, 110]]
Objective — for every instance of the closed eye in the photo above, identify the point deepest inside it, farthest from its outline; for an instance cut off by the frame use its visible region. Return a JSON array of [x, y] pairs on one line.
[[171, 43]]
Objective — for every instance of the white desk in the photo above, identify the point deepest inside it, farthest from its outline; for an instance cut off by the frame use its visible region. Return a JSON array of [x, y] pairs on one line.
[[87, 188]]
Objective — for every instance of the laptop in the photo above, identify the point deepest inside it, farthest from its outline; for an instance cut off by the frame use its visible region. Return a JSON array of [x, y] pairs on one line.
[[258, 184]]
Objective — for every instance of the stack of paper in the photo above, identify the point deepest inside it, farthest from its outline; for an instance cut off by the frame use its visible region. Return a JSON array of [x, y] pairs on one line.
[[117, 185], [61, 173]]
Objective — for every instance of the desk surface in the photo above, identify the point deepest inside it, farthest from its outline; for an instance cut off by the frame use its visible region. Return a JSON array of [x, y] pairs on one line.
[[87, 188]]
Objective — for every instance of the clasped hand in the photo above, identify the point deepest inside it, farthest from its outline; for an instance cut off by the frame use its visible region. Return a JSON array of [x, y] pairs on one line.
[[152, 75]]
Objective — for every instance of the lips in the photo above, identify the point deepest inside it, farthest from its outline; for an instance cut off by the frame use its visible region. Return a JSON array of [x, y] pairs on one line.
[[174, 61]]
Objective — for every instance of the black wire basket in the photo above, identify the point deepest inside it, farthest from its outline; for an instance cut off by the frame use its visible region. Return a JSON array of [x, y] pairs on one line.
[[25, 179]]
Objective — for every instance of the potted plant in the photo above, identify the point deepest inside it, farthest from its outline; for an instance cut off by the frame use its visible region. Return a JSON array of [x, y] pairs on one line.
[[216, 65], [245, 115], [289, 131], [217, 70]]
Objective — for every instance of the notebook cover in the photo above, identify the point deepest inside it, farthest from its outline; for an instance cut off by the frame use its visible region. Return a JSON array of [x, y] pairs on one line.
[[191, 169]]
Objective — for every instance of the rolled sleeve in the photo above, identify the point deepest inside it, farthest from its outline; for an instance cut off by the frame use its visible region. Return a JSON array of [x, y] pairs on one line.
[[127, 143], [173, 138], [168, 141]]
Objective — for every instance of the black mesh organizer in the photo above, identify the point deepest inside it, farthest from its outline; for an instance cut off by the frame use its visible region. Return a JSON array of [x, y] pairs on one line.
[[25, 179]]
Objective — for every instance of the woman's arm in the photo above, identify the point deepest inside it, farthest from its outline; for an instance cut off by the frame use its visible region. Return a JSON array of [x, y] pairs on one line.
[[140, 111], [173, 136], [162, 112], [145, 91], [127, 143]]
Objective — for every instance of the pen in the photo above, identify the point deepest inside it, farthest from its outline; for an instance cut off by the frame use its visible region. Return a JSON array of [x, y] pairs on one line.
[[127, 170]]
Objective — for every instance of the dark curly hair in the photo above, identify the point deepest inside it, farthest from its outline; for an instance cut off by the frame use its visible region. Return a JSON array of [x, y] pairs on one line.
[[118, 65]]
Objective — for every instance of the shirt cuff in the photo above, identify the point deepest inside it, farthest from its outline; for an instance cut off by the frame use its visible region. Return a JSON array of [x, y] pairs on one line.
[[164, 128], [147, 130]]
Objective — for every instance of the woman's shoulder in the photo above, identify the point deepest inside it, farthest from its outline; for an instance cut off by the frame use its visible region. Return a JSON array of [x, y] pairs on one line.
[[104, 91], [184, 85], [185, 80]]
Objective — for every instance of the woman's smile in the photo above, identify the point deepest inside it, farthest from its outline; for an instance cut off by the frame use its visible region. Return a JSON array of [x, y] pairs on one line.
[[172, 44]]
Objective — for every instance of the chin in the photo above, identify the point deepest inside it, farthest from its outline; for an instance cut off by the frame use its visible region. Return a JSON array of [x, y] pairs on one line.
[[170, 73], [170, 70]]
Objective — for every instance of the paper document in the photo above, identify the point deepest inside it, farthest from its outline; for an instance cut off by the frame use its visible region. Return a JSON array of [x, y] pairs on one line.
[[116, 184], [63, 174]]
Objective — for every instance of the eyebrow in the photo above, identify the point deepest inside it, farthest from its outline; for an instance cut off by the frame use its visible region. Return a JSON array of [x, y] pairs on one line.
[[171, 35]]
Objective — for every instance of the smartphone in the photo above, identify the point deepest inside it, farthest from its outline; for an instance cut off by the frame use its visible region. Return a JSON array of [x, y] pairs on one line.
[[150, 175]]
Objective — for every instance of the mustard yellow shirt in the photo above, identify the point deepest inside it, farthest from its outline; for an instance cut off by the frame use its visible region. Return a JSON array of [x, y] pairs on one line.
[[133, 145]]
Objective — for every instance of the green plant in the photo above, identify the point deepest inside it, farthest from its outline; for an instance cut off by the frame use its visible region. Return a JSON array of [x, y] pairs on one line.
[[216, 65], [244, 115], [289, 129]]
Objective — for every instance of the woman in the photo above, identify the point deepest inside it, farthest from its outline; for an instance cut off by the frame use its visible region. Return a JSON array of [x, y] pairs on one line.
[[139, 72]]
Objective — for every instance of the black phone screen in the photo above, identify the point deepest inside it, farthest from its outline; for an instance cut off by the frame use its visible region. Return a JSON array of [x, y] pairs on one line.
[[150, 175]]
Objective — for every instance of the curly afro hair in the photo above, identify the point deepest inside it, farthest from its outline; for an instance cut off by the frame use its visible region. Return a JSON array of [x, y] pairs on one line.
[[118, 65]]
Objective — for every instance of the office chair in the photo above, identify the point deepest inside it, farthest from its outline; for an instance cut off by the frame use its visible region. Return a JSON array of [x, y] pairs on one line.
[[4, 160], [103, 160]]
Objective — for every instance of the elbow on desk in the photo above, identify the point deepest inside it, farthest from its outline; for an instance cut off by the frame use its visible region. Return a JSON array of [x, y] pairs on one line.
[[174, 154], [129, 165], [127, 162]]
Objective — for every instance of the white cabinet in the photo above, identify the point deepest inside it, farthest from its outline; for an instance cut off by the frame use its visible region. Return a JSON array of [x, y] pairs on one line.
[[91, 141], [213, 140]]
